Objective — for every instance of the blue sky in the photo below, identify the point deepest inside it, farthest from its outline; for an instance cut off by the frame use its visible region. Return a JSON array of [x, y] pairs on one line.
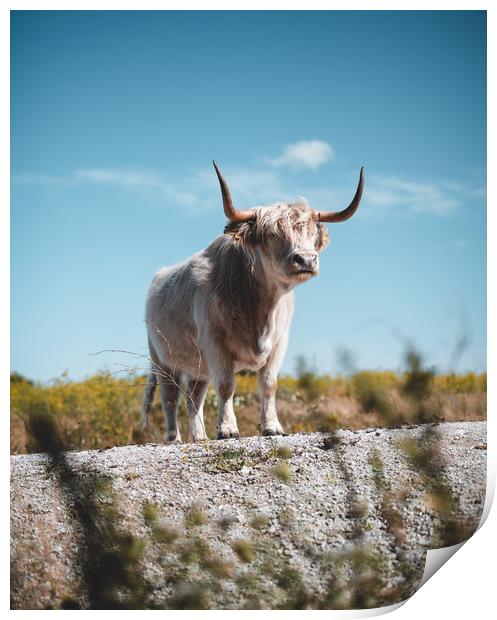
[[116, 116]]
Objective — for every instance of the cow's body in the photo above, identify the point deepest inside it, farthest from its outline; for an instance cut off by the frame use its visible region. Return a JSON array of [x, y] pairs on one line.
[[229, 308], [188, 313]]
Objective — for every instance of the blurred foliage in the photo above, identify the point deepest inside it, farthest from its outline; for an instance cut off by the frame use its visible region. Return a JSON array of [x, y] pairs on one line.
[[109, 558], [99, 412], [424, 454], [307, 379], [112, 561], [372, 389], [469, 382], [283, 472], [104, 410]]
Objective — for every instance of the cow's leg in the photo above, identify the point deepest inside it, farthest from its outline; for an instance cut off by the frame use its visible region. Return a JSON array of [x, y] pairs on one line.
[[268, 378], [222, 375], [169, 393], [226, 421], [197, 390]]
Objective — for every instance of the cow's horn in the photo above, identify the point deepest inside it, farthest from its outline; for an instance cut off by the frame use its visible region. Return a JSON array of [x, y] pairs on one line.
[[231, 213], [341, 216]]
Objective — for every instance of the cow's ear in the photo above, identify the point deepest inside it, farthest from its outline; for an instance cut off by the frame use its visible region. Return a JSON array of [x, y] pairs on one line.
[[240, 232], [322, 237]]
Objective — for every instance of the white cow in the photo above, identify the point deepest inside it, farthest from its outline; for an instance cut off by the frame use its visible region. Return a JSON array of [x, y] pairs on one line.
[[229, 308]]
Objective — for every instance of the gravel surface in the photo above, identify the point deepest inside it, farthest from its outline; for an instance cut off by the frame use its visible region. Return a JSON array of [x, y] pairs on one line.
[[301, 505]]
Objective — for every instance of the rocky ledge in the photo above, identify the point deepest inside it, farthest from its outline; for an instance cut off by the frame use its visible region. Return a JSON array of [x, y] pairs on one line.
[[313, 520]]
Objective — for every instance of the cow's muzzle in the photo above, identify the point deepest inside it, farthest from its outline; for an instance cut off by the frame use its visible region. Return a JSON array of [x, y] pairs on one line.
[[304, 262]]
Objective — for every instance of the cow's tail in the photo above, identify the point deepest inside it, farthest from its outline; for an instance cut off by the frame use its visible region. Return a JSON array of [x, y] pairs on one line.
[[148, 398]]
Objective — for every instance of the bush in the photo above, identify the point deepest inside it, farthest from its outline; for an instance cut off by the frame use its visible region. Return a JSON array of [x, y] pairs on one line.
[[104, 410], [468, 383], [309, 383], [372, 390], [100, 411]]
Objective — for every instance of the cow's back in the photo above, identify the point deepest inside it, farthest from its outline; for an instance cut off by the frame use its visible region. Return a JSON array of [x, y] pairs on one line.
[[169, 318]]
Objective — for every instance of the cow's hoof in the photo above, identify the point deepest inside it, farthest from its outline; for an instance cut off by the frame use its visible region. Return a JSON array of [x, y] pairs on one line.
[[228, 435], [272, 433], [173, 439]]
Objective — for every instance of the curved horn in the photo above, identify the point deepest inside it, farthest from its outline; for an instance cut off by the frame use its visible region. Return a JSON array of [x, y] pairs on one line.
[[341, 216], [231, 213]]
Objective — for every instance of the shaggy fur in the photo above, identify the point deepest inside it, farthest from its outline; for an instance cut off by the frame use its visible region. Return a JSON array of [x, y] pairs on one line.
[[229, 308]]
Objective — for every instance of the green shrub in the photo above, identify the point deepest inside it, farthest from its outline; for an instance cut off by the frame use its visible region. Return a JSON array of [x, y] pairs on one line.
[[103, 410], [372, 391]]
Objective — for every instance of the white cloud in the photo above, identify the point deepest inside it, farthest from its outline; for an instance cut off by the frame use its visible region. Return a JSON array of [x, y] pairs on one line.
[[304, 154], [437, 198], [136, 179], [198, 189]]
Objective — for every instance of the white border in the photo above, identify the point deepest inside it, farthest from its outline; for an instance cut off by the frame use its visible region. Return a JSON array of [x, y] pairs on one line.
[[466, 585]]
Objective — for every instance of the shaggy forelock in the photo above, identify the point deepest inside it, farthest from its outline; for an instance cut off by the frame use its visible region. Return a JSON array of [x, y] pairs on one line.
[[282, 219], [288, 223]]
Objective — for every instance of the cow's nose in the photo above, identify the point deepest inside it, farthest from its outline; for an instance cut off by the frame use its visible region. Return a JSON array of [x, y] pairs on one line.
[[305, 260]]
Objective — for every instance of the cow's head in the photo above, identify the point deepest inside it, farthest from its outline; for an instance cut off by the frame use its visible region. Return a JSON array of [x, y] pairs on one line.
[[286, 237]]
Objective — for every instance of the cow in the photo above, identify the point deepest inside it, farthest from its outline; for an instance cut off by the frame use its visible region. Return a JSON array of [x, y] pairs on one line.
[[229, 307]]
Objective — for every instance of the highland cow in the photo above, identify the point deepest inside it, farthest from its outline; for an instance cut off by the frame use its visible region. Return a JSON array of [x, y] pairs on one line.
[[229, 308]]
